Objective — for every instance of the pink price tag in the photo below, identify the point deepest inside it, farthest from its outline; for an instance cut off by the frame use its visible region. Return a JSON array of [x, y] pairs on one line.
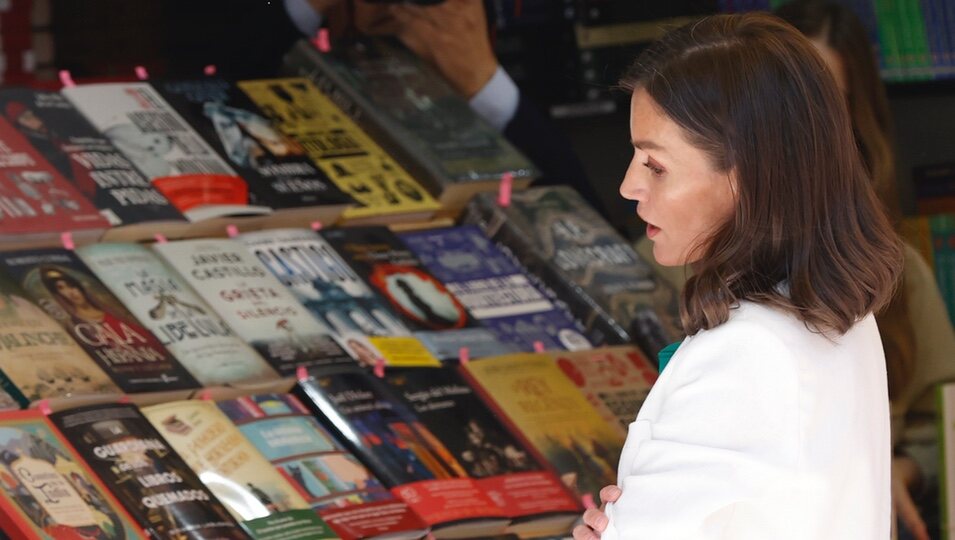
[[67, 240], [316, 226], [464, 355], [538, 346], [66, 79], [44, 407], [504, 192], [209, 70], [141, 73], [123, 399], [380, 368], [160, 239], [232, 230], [301, 374], [588, 500], [205, 394], [322, 40]]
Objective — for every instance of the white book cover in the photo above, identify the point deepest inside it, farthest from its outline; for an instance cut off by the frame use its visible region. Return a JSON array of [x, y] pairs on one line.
[[187, 326], [946, 443], [254, 303], [151, 134]]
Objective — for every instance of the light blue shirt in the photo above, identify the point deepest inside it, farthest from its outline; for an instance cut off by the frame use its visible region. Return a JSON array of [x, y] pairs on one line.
[[496, 102]]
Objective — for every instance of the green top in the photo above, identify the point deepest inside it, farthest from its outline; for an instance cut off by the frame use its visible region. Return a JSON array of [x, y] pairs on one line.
[[666, 353]]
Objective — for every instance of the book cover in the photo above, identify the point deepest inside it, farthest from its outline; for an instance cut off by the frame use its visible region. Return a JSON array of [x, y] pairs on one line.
[[377, 427], [615, 380], [58, 281], [254, 303], [500, 464], [353, 161], [323, 283], [164, 148], [85, 157], [145, 474], [557, 236], [184, 323], [945, 400], [46, 490], [234, 471], [411, 109], [35, 200], [531, 393], [276, 167], [345, 493], [425, 305], [38, 358], [495, 289]]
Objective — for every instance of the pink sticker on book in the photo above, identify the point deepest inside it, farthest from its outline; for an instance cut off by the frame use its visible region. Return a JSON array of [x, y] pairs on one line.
[[209, 70], [301, 374], [66, 79], [205, 394], [44, 407], [588, 501], [538, 346], [141, 73], [322, 40], [504, 191], [232, 230], [124, 399], [160, 238], [464, 355], [380, 367], [316, 225], [66, 239]]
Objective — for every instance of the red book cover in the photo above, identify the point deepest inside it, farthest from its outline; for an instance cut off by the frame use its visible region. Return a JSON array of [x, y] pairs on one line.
[[34, 197]]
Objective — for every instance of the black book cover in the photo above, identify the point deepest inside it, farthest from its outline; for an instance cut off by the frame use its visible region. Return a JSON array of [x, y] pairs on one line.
[[85, 157], [376, 426], [59, 282], [276, 167], [147, 476]]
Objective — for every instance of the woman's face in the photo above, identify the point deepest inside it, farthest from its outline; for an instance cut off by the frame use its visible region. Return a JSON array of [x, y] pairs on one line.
[[72, 294], [679, 194]]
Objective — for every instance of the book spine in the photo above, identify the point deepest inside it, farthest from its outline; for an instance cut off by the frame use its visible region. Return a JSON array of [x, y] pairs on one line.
[[888, 39], [920, 46], [945, 404]]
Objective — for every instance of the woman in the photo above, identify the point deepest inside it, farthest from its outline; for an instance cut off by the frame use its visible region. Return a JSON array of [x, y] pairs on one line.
[[771, 419]]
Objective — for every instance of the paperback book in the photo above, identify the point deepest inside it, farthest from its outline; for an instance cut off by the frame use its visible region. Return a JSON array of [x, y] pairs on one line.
[[47, 492], [349, 157], [38, 358], [58, 281], [529, 392], [82, 155], [145, 474], [495, 289], [184, 323], [345, 493], [275, 166], [139, 122], [322, 282], [576, 253], [235, 472], [376, 426], [535, 500], [254, 303]]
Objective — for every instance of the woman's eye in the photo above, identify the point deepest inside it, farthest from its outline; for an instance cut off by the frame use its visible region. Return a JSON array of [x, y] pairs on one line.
[[657, 171]]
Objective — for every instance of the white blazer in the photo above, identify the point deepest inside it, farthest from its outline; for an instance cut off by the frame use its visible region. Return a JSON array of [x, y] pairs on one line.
[[761, 429]]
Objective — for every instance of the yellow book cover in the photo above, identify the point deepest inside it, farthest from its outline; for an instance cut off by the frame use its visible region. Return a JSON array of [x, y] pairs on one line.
[[353, 161], [540, 403]]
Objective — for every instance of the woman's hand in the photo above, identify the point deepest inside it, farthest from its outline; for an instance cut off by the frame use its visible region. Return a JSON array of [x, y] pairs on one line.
[[905, 476], [595, 521]]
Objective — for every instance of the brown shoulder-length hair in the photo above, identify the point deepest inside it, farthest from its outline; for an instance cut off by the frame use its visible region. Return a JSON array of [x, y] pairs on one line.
[[751, 92]]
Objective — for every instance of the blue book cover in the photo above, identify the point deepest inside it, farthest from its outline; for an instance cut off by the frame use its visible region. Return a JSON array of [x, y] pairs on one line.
[[495, 289]]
